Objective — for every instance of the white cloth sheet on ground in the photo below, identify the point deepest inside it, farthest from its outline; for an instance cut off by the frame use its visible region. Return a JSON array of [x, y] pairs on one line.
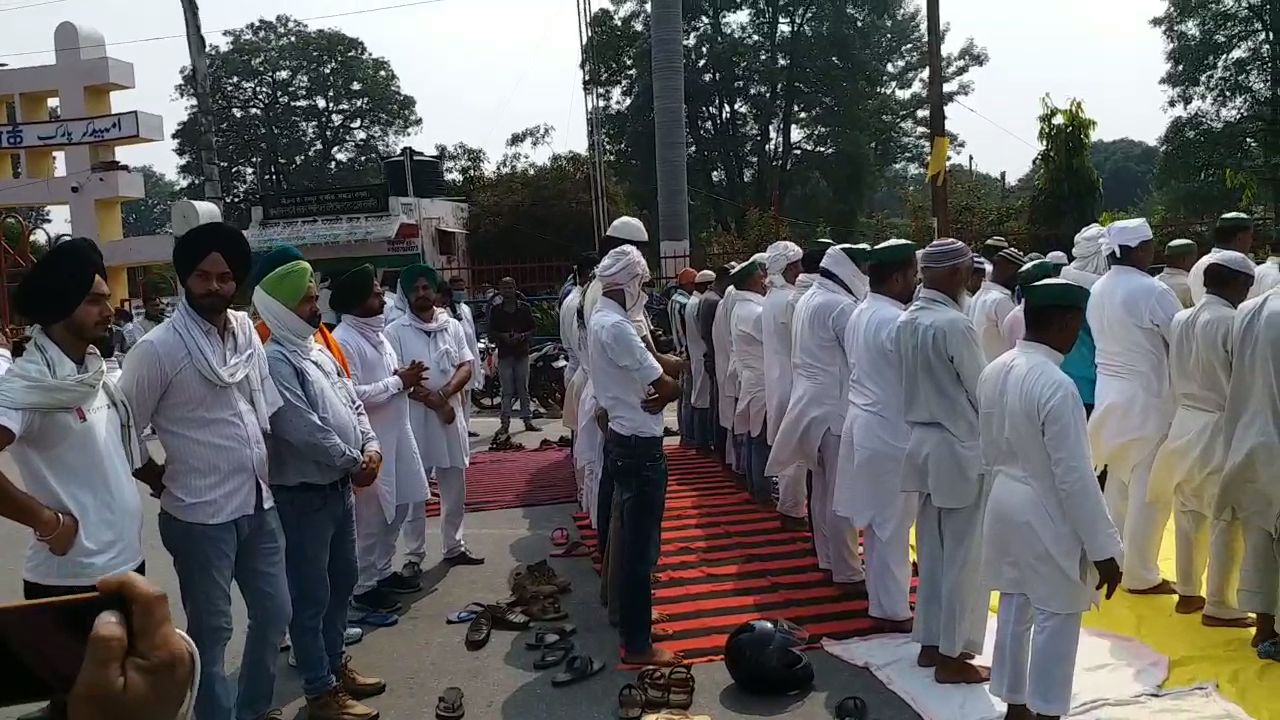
[[1116, 678]]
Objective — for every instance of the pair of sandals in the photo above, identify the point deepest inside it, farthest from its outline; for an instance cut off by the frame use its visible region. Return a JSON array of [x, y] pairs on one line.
[[657, 689], [568, 546], [489, 618], [555, 645]]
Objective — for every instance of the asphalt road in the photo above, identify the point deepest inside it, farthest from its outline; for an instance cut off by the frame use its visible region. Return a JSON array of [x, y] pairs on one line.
[[422, 655]]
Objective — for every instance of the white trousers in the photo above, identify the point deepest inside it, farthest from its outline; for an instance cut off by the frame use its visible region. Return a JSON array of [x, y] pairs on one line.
[[1217, 544], [792, 493], [951, 602], [1260, 572], [888, 561], [834, 538], [1141, 522], [1034, 660], [453, 497], [376, 539]]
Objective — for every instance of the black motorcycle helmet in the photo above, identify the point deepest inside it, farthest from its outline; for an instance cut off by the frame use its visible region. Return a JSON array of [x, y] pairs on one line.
[[764, 658]]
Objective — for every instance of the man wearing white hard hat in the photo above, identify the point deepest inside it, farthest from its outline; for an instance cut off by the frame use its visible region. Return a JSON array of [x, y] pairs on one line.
[[784, 266], [1188, 467], [700, 393], [1131, 316]]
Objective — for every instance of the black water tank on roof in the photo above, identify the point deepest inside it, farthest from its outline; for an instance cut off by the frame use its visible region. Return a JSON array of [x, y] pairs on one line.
[[428, 175]]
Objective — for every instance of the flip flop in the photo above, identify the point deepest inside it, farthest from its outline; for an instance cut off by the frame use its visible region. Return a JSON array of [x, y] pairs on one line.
[[376, 619], [564, 630], [630, 703], [560, 537], [575, 548], [479, 631], [680, 687], [851, 708], [543, 639], [465, 615], [449, 706], [553, 655], [576, 669]]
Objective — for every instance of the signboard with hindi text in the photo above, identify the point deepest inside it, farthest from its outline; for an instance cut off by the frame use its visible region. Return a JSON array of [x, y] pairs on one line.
[[361, 200], [119, 129]]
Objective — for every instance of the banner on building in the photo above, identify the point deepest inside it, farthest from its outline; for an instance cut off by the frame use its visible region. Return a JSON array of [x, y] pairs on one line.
[[360, 200], [118, 129]]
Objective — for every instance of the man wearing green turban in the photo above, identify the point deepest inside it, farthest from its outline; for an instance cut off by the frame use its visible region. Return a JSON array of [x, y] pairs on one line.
[[321, 444]]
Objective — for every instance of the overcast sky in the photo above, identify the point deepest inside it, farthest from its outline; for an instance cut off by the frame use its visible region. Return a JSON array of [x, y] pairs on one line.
[[483, 68]]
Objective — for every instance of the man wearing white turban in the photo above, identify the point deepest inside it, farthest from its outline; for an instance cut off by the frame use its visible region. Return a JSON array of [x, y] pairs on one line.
[[1131, 316], [941, 362], [1188, 467], [632, 388], [810, 430], [779, 307], [1090, 262]]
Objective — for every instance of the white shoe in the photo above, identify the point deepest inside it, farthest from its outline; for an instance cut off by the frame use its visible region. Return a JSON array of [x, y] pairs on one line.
[[352, 635]]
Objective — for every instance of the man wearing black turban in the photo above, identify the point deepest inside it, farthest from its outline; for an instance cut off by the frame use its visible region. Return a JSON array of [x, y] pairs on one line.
[[212, 261], [60, 282]]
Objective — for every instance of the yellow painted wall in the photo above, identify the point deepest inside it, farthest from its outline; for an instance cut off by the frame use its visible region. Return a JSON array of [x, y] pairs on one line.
[[111, 227]]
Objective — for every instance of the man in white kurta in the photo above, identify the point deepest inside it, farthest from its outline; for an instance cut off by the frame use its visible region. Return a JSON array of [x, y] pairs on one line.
[[810, 432], [700, 394], [1233, 231], [748, 348], [1179, 258], [1251, 432], [383, 385], [783, 266], [874, 439], [1046, 526], [726, 375], [1188, 467], [941, 361], [427, 334], [994, 301], [1268, 273], [1015, 324], [1131, 314]]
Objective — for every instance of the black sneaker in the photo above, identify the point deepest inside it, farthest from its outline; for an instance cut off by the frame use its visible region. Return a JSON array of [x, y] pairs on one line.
[[399, 584], [376, 600], [530, 427], [411, 570], [464, 558]]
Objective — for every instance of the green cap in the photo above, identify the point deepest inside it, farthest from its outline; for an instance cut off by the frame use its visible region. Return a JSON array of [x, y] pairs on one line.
[[1056, 292], [411, 274], [1235, 220], [288, 283], [1178, 248], [893, 251], [857, 253], [1035, 271], [746, 269]]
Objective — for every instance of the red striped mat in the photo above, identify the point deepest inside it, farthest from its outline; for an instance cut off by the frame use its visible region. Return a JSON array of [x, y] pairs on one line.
[[516, 479], [725, 561]]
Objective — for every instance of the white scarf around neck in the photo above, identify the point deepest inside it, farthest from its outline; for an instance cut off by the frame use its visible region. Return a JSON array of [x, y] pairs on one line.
[[212, 361], [291, 331]]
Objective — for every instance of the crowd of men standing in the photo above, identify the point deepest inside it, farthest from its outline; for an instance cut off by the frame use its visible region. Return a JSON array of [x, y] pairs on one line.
[[294, 457], [1036, 419]]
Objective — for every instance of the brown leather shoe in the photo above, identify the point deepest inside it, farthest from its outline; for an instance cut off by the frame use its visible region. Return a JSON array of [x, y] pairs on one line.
[[358, 686], [338, 705]]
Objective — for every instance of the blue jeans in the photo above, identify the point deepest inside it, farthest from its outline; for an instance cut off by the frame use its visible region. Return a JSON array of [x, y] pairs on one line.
[[637, 468], [320, 559], [250, 551]]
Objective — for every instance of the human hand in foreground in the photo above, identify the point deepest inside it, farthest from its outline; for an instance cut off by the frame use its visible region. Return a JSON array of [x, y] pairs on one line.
[[370, 464], [1109, 576], [58, 531], [412, 374], [140, 672]]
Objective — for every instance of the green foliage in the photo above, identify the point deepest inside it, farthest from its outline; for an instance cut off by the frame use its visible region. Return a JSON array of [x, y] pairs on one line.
[[546, 318], [1127, 168], [151, 215], [295, 108], [755, 233], [1068, 191]]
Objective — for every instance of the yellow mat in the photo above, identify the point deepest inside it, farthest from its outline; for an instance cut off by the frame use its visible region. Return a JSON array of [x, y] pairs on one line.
[[1197, 654]]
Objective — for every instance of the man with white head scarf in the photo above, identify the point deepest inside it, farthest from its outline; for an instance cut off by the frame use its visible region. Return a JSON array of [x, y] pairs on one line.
[[779, 307], [700, 390], [747, 331], [1251, 434], [1131, 316], [1188, 467], [810, 431], [632, 389], [941, 362], [1090, 262]]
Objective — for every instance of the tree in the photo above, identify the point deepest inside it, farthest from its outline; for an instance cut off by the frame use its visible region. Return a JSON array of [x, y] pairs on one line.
[[295, 108], [1068, 190], [150, 215], [1127, 168], [798, 107], [1224, 75]]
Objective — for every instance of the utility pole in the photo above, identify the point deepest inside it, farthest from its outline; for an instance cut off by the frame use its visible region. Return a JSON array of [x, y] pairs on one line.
[[204, 106], [666, 33], [937, 119]]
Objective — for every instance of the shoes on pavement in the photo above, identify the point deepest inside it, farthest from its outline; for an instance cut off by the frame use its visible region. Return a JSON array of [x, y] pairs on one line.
[[352, 635], [337, 704], [412, 570], [400, 584], [377, 600], [473, 434], [359, 686], [464, 557], [273, 714], [530, 427]]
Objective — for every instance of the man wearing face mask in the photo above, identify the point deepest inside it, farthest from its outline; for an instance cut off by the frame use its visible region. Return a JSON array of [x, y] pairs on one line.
[[321, 445]]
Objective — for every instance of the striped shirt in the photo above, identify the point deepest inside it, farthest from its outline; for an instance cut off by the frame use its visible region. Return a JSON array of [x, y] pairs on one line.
[[215, 450]]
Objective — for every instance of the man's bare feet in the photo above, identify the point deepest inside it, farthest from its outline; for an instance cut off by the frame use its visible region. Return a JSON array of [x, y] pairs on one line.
[[1266, 630], [928, 656], [1164, 587], [793, 524], [851, 588], [655, 656], [1189, 604], [658, 616], [1019, 712], [893, 626], [958, 671], [1217, 622], [657, 634]]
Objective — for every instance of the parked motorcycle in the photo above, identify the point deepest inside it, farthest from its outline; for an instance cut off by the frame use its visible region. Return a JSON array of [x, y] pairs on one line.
[[546, 378]]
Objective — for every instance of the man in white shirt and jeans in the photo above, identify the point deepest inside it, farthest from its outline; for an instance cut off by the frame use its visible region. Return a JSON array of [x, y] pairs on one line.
[[201, 381], [632, 388]]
